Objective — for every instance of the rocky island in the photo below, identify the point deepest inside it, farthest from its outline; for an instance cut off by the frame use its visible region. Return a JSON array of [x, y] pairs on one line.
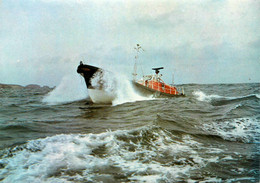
[[15, 86]]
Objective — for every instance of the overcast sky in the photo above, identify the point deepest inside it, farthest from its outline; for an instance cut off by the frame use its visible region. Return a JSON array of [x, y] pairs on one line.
[[202, 41]]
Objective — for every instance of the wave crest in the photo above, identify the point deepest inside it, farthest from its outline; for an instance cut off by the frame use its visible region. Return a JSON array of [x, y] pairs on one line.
[[221, 100], [201, 96], [242, 129], [135, 156]]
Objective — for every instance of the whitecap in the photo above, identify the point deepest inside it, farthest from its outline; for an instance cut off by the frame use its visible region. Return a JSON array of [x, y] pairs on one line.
[[242, 129], [201, 96], [96, 157]]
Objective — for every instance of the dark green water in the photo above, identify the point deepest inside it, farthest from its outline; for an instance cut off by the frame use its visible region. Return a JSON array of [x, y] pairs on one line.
[[212, 135]]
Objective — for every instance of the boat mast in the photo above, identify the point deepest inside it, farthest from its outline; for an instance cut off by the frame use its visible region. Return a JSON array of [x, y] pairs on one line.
[[173, 78], [138, 48], [134, 73]]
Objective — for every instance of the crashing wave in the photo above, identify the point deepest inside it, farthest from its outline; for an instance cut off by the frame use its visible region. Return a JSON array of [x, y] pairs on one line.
[[118, 156]]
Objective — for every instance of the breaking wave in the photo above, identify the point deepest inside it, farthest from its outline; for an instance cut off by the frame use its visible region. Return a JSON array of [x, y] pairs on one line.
[[245, 130], [221, 100], [136, 156], [201, 96]]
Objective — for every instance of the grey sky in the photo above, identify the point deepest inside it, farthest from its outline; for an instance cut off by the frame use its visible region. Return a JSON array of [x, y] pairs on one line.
[[210, 41]]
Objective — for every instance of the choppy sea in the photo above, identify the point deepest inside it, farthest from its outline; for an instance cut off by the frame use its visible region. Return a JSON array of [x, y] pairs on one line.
[[211, 135]]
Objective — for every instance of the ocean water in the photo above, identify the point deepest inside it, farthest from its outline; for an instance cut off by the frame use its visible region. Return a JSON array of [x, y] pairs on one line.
[[211, 135]]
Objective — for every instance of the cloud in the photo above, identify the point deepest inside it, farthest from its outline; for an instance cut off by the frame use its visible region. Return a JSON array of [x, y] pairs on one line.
[[196, 39]]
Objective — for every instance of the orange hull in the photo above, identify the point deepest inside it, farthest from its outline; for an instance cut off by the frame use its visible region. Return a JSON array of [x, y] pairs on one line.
[[162, 87]]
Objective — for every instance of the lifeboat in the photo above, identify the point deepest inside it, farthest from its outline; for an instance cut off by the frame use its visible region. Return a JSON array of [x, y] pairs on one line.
[[100, 92]]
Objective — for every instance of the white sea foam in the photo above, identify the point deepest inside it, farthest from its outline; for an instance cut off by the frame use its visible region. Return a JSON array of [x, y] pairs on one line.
[[242, 179], [214, 180], [241, 129], [201, 96], [97, 157], [71, 88]]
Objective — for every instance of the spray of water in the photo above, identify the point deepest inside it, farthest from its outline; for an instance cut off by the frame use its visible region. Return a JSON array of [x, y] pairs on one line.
[[71, 88], [116, 85], [104, 80], [126, 93]]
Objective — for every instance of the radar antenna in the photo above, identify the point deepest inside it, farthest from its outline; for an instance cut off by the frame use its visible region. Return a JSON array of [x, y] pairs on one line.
[[157, 70]]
